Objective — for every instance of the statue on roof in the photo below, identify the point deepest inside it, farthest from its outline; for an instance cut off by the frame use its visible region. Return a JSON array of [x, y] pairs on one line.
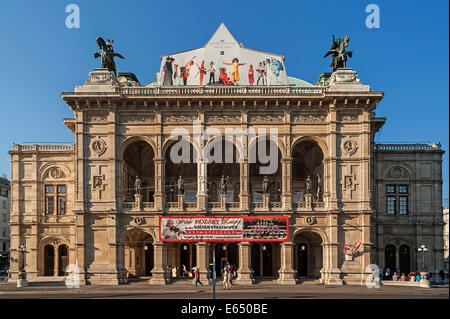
[[339, 53], [107, 54]]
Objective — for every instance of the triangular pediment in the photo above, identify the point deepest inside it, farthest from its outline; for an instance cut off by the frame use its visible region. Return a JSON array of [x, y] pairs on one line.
[[222, 36]]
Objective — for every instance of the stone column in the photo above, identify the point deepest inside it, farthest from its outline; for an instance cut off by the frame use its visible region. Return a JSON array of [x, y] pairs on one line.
[[202, 196], [286, 193], [287, 272], [203, 262], [331, 250], [159, 183], [159, 253], [244, 196], [244, 273], [56, 261]]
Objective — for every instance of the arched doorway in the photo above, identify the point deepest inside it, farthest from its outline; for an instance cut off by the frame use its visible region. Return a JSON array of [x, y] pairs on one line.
[[389, 258], [149, 262], [49, 260], [63, 260], [138, 161], [307, 161], [302, 269], [256, 260], [308, 254], [263, 259], [176, 165], [138, 254], [405, 259]]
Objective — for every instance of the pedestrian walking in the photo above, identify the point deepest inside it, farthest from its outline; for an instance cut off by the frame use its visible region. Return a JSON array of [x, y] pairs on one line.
[[184, 271], [197, 277]]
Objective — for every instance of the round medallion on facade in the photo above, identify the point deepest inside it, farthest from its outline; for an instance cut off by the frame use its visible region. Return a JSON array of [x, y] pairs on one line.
[[98, 146], [396, 172], [310, 220], [55, 173], [350, 146], [139, 220]]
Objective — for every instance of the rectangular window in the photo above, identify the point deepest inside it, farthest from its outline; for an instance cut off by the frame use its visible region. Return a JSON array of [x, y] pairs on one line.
[[49, 189], [4, 246], [49, 205], [390, 189], [4, 232], [403, 205], [61, 205], [390, 201], [4, 217], [403, 189], [4, 204], [61, 189]]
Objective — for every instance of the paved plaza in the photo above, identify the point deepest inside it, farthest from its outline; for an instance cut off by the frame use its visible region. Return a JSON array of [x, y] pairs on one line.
[[187, 291]]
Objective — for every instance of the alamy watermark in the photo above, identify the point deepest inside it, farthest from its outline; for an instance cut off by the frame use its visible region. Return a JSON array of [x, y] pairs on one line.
[[373, 19], [257, 152], [73, 19]]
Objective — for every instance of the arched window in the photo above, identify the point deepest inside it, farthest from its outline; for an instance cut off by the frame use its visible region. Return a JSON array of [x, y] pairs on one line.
[[63, 260]]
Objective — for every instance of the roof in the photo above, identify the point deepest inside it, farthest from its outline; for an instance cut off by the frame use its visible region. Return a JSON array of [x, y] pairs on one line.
[[297, 82], [4, 181]]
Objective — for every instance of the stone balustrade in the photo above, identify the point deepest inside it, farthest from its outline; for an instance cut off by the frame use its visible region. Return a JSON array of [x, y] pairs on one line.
[[408, 147], [223, 90], [44, 147]]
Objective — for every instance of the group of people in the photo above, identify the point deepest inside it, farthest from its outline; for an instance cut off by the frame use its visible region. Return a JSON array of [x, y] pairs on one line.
[[175, 74], [385, 274], [264, 230], [228, 273]]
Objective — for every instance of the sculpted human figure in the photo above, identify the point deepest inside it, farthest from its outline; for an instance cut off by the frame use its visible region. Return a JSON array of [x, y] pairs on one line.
[[266, 185], [308, 185], [137, 186], [180, 185], [107, 54], [224, 185]]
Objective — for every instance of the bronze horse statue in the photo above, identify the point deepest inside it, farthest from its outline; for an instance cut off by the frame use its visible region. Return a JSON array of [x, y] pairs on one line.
[[107, 54], [339, 53]]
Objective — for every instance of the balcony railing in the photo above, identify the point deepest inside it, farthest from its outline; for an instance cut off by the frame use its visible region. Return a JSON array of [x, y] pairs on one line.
[[223, 90], [44, 147], [408, 147]]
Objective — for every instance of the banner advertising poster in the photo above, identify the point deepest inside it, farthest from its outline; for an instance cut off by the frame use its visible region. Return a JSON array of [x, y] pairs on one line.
[[235, 228]]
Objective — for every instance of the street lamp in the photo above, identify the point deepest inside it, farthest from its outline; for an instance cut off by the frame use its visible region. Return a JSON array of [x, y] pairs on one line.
[[423, 249], [22, 282]]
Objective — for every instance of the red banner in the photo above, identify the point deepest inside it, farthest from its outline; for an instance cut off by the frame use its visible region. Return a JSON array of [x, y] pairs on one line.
[[229, 228]]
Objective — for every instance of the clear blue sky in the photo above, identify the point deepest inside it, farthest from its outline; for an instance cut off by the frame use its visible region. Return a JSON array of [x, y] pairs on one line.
[[407, 58]]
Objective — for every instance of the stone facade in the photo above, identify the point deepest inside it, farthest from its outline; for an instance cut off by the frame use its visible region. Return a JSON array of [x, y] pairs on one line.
[[74, 204], [4, 220]]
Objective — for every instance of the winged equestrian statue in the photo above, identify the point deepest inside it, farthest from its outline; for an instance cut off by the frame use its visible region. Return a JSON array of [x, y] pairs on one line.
[[339, 53], [107, 54]]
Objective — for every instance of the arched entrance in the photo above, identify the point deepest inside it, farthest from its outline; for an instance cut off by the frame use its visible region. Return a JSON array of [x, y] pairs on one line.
[[405, 259], [264, 259], [139, 257], [63, 260], [308, 254], [389, 258], [224, 253], [138, 161], [49, 260]]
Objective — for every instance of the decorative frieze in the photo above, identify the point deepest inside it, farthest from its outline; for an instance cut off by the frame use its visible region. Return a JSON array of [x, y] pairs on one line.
[[136, 118], [96, 118], [348, 117], [223, 119], [266, 119], [308, 118], [179, 119]]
